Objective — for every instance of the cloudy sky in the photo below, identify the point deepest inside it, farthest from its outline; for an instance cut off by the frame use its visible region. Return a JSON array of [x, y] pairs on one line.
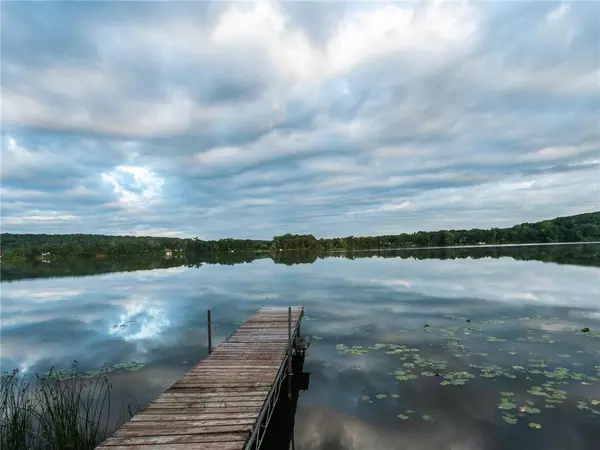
[[254, 119]]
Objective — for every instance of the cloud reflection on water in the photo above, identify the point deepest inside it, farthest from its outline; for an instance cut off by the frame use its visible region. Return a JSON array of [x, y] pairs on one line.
[[159, 318]]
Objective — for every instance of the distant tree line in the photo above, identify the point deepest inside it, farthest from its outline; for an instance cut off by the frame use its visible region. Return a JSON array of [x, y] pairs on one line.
[[579, 228], [581, 255]]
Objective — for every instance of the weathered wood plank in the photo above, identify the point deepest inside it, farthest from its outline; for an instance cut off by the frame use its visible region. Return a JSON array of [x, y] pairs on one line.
[[198, 446], [223, 404], [185, 421], [152, 411], [203, 388], [209, 397], [203, 394], [176, 439], [210, 415], [174, 429]]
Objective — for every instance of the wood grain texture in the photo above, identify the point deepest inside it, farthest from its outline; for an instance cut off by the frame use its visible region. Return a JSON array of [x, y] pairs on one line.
[[217, 403]]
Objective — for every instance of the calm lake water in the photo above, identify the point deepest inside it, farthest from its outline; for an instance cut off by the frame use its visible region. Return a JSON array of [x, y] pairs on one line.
[[406, 352]]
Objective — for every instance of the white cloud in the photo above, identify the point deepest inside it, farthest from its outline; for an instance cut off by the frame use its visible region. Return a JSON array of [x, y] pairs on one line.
[[376, 116], [142, 188], [39, 220]]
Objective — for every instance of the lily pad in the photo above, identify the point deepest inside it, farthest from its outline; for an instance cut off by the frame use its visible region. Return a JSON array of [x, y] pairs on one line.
[[428, 418], [535, 425], [404, 375], [403, 416], [509, 418], [506, 403], [380, 396], [529, 410], [456, 378]]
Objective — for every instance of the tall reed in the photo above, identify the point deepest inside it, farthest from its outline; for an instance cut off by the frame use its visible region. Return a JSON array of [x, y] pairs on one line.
[[62, 410]]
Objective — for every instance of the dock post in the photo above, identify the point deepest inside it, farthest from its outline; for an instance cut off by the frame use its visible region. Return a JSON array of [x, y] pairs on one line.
[[209, 333], [290, 353]]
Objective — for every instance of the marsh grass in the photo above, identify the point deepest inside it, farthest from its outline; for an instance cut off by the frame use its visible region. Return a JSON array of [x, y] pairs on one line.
[[49, 412]]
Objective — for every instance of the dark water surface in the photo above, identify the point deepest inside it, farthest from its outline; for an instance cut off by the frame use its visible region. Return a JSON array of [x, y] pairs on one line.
[[406, 353]]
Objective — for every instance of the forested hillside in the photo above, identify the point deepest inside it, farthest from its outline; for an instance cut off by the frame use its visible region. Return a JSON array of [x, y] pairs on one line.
[[579, 228]]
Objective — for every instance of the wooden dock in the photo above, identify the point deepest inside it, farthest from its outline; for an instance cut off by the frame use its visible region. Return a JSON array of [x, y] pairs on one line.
[[224, 402]]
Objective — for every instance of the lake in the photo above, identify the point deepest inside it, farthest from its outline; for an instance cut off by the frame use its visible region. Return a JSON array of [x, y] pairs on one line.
[[459, 349]]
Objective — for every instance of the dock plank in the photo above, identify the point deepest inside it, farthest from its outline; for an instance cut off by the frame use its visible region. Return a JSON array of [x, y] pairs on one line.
[[217, 404]]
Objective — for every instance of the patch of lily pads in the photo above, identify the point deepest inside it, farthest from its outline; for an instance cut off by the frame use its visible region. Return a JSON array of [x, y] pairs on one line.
[[457, 339], [456, 378], [590, 405], [64, 374]]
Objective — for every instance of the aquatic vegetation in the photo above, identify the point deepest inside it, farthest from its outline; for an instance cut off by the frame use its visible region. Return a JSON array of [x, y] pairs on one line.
[[588, 407], [541, 365], [457, 340], [535, 425], [511, 419], [456, 378], [506, 403], [130, 367], [63, 374], [432, 364], [365, 398], [406, 414], [354, 350], [559, 373], [428, 418], [529, 410], [404, 375], [316, 338], [493, 371], [55, 412], [585, 330], [537, 391], [551, 394]]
